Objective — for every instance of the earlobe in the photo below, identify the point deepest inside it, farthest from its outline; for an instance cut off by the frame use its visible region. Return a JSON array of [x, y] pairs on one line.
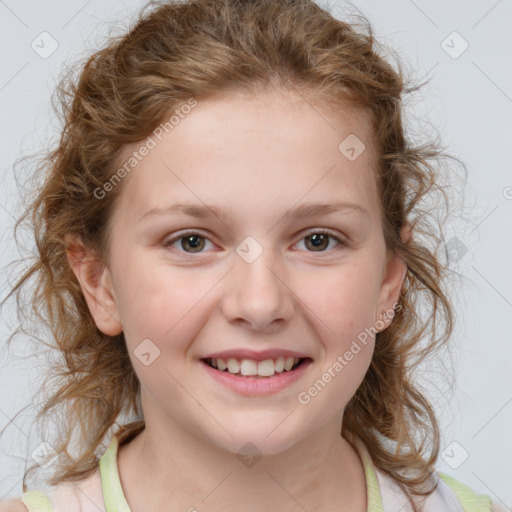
[[96, 283]]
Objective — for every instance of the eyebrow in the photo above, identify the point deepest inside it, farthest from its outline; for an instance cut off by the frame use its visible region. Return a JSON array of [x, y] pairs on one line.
[[202, 211]]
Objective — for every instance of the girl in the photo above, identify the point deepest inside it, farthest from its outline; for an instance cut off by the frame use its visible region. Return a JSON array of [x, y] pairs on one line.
[[230, 252]]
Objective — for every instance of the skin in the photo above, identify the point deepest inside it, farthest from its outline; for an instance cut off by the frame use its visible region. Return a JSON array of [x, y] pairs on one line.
[[256, 157]]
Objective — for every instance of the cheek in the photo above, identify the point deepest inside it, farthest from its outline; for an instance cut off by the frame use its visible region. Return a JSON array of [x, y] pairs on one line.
[[343, 300], [157, 301], [343, 320], [162, 312]]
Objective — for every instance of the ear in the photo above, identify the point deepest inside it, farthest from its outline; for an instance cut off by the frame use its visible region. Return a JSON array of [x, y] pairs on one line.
[[391, 286], [96, 283]]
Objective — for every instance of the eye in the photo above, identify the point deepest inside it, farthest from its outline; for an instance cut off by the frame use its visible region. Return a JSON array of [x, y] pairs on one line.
[[189, 239], [319, 240], [316, 240]]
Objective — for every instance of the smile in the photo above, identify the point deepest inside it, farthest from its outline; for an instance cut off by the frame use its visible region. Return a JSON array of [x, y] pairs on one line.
[[251, 367], [244, 376]]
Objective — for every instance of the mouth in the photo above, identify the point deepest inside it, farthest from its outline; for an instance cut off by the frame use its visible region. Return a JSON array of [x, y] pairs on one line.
[[250, 369], [256, 377]]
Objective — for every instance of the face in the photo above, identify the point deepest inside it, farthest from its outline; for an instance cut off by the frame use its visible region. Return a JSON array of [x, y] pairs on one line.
[[250, 272]]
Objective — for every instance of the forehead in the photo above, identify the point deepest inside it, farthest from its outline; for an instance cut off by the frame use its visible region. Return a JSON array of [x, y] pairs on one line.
[[255, 151]]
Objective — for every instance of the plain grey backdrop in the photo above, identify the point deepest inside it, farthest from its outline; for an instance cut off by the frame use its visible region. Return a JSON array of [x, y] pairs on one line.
[[465, 49]]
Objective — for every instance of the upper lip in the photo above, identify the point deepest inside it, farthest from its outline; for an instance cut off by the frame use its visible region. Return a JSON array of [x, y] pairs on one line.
[[257, 356]]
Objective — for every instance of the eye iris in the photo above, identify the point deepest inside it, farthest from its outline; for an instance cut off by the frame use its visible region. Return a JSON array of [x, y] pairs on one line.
[[318, 239], [194, 241]]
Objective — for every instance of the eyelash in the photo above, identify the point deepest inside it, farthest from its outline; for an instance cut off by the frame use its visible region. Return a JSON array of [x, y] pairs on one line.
[[331, 234]]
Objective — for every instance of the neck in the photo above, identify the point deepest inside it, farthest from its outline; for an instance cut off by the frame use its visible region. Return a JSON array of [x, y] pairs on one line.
[[181, 471]]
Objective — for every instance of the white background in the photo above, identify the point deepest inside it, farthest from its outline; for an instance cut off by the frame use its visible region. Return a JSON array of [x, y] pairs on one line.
[[469, 100]]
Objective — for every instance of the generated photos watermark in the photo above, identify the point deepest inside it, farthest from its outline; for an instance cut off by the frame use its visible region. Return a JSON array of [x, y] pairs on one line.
[[343, 360], [150, 143]]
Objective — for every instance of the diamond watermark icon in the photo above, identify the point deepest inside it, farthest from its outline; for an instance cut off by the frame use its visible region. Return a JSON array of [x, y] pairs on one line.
[[249, 249], [44, 451], [146, 352], [351, 147], [454, 455], [454, 45], [44, 45], [455, 250], [249, 454]]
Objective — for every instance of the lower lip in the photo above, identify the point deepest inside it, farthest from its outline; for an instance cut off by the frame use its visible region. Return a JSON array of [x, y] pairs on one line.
[[251, 386]]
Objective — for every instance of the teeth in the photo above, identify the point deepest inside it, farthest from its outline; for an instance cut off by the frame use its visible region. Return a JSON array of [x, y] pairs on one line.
[[288, 363], [233, 366], [264, 368], [279, 364]]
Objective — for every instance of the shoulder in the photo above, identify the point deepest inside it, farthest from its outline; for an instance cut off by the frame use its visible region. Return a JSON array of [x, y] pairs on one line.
[[82, 496], [12, 505], [449, 495], [85, 495], [470, 499]]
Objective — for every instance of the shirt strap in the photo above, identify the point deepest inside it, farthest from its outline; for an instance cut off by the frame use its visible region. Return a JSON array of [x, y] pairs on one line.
[[469, 499], [373, 494], [113, 495], [37, 501]]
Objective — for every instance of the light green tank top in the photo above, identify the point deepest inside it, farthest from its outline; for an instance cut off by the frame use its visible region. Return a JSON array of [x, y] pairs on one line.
[[115, 501]]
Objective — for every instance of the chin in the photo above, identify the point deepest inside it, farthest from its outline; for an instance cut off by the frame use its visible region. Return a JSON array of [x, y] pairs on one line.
[[257, 441]]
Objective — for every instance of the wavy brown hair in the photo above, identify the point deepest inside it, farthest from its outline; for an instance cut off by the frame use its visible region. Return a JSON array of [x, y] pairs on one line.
[[204, 49]]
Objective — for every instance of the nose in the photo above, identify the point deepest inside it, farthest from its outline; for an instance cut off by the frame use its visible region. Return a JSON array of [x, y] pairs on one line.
[[257, 293]]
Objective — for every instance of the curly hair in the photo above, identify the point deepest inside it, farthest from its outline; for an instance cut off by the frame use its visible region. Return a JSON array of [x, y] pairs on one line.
[[203, 49]]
